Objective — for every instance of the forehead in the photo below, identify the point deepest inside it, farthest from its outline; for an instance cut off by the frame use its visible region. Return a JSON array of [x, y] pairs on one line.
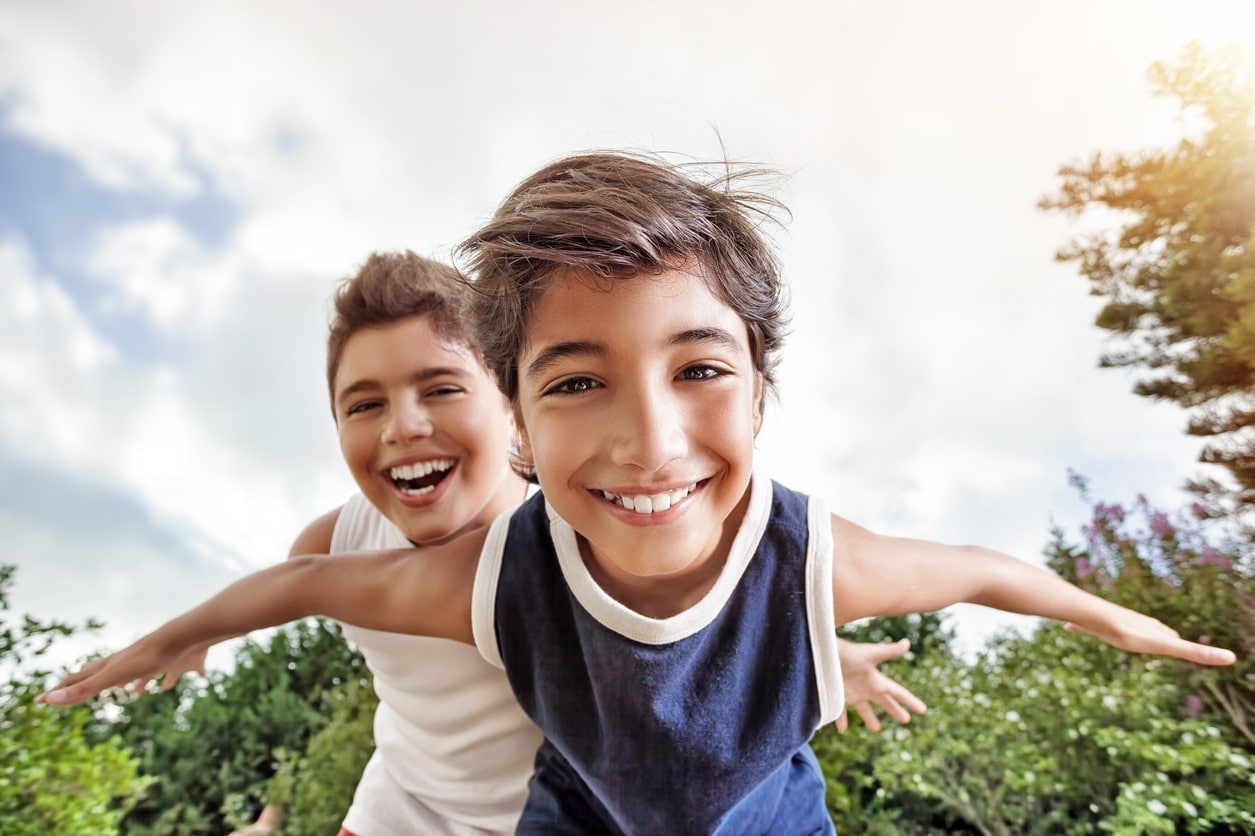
[[641, 309], [403, 347]]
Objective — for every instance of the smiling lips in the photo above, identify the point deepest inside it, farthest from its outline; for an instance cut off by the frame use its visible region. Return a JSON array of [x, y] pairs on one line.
[[654, 503], [421, 477]]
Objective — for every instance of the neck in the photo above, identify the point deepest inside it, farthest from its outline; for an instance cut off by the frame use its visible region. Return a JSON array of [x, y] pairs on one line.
[[656, 596]]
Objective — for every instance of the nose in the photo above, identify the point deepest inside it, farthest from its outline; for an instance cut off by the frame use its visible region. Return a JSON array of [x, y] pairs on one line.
[[648, 428], [406, 421]]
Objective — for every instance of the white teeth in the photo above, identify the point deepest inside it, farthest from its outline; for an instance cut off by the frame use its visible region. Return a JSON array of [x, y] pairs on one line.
[[421, 469], [650, 503]]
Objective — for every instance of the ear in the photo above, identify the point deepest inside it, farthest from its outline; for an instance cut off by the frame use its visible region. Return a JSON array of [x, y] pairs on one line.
[[759, 393], [521, 449]]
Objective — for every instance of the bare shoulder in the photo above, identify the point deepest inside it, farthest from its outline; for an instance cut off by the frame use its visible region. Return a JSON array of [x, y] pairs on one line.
[[316, 538]]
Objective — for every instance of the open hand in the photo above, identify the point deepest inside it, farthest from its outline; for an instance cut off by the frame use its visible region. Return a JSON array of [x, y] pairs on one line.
[[865, 685], [133, 668], [1134, 632]]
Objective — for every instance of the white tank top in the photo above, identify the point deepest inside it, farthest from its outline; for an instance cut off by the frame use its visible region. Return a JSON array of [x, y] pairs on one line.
[[453, 750]]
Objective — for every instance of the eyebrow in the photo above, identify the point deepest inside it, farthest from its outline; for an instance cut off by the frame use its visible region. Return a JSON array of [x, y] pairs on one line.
[[584, 348], [718, 336], [370, 384], [557, 352]]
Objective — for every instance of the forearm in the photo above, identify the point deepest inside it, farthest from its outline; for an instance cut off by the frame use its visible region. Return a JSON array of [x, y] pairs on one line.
[[1012, 585], [268, 598], [295, 588]]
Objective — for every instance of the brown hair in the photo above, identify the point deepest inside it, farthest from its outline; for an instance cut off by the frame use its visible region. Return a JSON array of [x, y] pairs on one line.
[[392, 286], [617, 215]]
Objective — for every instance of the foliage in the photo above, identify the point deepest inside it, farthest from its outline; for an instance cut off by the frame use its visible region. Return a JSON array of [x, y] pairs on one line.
[[1188, 571], [855, 798], [315, 788], [210, 743], [1179, 275], [1058, 733], [54, 781]]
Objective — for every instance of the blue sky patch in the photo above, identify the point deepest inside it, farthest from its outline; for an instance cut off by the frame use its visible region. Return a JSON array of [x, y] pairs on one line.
[[49, 202]]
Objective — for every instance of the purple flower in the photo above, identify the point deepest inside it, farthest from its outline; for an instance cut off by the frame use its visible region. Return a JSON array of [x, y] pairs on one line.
[[1160, 526], [1109, 511], [1211, 556], [1193, 706], [1083, 567]]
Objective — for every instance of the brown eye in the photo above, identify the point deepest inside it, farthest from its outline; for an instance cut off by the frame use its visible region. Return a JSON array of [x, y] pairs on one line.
[[572, 386], [701, 372]]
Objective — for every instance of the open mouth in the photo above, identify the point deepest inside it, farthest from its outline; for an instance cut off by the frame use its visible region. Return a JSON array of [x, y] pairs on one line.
[[654, 503], [421, 477]]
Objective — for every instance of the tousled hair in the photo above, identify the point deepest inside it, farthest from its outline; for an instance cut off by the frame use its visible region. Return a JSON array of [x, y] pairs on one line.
[[392, 286], [617, 215]]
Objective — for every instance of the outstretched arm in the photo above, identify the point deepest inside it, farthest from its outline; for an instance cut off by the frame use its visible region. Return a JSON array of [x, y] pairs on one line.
[[865, 684], [878, 575], [315, 538], [420, 591]]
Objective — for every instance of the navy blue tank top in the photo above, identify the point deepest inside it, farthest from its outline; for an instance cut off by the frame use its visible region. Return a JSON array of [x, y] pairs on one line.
[[694, 724]]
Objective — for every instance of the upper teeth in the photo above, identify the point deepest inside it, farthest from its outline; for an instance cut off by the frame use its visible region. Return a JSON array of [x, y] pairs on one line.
[[420, 469], [654, 503]]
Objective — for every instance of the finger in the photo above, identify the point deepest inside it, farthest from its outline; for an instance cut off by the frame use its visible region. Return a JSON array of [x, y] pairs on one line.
[[894, 709], [904, 696], [1202, 654], [886, 651], [869, 716], [69, 681], [843, 721], [69, 695]]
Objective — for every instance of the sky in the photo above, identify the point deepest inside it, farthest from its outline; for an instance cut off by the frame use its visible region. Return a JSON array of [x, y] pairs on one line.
[[182, 186]]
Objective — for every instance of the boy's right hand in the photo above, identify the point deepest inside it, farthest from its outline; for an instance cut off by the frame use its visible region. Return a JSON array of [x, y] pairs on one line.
[[132, 667]]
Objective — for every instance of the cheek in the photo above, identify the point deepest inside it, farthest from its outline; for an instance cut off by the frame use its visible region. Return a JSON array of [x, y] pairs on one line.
[[487, 432], [355, 448]]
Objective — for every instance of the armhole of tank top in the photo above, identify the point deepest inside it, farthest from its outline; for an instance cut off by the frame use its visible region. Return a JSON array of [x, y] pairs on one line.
[[347, 530], [484, 596], [819, 612]]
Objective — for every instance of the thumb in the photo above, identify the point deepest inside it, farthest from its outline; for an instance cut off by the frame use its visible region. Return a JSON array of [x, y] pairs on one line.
[[895, 650]]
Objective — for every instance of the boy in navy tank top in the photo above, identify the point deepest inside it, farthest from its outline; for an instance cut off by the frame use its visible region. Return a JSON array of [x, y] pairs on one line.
[[662, 613]]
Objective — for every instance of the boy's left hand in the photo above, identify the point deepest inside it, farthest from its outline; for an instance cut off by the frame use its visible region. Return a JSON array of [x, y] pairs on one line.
[[1134, 632], [865, 684]]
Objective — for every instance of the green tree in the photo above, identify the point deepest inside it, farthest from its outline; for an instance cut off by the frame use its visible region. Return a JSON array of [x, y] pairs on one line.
[[856, 799], [1178, 276], [211, 744], [1056, 733], [54, 780], [316, 787]]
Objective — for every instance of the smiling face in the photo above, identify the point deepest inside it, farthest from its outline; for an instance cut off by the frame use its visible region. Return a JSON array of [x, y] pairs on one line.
[[424, 430], [639, 402]]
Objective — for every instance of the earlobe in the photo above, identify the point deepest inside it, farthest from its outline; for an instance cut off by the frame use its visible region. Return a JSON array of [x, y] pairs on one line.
[[521, 450]]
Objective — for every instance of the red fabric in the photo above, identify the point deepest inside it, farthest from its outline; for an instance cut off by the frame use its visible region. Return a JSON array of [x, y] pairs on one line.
[[346, 832]]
